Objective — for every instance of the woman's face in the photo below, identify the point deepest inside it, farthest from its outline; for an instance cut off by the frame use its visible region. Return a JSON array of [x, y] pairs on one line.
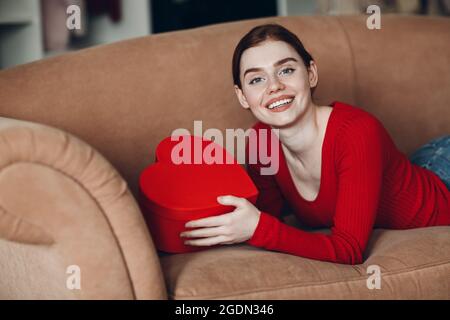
[[276, 85]]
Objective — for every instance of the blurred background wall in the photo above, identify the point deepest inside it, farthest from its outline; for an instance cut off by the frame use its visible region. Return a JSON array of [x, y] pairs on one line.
[[35, 29]]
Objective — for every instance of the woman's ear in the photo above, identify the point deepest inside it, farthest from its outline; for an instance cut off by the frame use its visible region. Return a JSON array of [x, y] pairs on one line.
[[241, 97], [313, 75]]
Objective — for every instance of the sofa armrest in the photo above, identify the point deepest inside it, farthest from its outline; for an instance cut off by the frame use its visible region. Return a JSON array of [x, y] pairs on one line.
[[62, 204]]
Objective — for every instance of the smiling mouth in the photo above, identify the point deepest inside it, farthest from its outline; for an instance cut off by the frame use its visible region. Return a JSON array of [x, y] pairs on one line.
[[280, 105]]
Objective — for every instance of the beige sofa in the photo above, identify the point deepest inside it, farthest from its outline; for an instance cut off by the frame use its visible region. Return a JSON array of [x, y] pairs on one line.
[[88, 122]]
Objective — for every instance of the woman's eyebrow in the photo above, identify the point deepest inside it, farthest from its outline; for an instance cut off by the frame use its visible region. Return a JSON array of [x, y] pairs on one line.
[[276, 64], [283, 61]]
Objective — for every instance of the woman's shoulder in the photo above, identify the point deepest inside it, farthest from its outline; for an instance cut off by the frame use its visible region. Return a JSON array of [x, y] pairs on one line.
[[356, 130], [351, 111], [349, 118]]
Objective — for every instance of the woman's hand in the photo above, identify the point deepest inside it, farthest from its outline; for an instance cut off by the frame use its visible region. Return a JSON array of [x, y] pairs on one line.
[[234, 227]]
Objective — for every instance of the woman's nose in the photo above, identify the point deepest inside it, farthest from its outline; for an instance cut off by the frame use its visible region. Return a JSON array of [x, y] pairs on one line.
[[275, 85]]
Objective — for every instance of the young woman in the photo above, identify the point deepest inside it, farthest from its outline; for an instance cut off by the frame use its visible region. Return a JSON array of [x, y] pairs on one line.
[[338, 167]]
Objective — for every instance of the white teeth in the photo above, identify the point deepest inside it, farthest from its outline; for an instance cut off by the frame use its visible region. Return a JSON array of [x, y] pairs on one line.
[[279, 103]]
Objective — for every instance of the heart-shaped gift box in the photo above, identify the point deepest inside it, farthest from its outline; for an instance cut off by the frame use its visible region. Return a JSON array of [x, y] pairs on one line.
[[173, 193]]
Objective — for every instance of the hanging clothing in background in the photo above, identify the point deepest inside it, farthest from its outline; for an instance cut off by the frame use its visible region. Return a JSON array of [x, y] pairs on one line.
[[111, 7], [54, 18]]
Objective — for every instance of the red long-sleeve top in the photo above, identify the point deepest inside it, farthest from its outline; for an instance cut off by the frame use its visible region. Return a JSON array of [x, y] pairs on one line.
[[366, 182]]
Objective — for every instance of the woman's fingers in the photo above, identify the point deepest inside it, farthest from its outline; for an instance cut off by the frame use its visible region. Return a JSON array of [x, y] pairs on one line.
[[213, 230], [218, 220], [207, 241], [231, 201], [203, 232], [214, 221]]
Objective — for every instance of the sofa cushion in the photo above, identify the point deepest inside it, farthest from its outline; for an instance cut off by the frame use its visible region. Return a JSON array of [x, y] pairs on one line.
[[414, 264], [63, 204]]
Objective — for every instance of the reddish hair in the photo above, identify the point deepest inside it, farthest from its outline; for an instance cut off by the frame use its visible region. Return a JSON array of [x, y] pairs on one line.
[[260, 34]]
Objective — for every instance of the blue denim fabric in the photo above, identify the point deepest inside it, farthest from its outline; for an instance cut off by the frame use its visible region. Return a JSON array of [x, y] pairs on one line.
[[435, 156]]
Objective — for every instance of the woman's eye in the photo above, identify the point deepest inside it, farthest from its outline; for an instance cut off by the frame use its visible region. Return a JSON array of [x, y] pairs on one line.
[[255, 80], [287, 71]]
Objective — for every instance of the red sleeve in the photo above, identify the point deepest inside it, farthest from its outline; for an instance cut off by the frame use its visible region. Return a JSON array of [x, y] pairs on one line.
[[359, 167]]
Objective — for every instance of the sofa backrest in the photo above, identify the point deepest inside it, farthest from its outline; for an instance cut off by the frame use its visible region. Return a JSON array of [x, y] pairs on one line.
[[125, 97]]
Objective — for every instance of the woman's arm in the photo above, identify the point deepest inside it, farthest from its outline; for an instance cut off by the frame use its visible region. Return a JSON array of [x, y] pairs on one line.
[[359, 168]]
